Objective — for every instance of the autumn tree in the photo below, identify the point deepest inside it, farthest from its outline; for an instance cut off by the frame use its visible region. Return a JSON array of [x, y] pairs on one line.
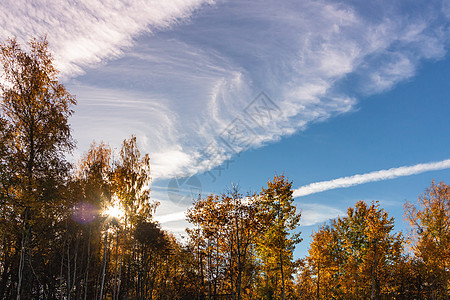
[[59, 239], [242, 228], [223, 240], [324, 260], [278, 238], [35, 109], [8, 222], [102, 252], [430, 223], [355, 256], [90, 192], [130, 179], [305, 287], [208, 217]]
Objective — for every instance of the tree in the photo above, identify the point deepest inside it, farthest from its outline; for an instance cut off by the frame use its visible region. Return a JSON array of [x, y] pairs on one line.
[[35, 111], [277, 241], [324, 260], [209, 218], [153, 249], [130, 178], [90, 192], [242, 227], [224, 240], [430, 222], [354, 257]]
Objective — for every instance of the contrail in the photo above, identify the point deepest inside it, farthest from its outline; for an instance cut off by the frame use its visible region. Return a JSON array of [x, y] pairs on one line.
[[321, 186]]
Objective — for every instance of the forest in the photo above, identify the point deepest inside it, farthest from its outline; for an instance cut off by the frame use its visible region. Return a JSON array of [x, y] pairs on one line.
[[63, 236]]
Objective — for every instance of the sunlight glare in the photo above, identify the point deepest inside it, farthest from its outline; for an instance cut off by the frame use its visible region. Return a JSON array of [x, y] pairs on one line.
[[114, 211]]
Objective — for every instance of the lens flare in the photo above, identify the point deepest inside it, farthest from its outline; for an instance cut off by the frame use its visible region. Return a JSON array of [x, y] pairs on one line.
[[114, 212]]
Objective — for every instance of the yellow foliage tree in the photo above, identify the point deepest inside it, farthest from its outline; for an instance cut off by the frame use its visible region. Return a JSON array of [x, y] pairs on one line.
[[277, 240], [35, 109], [430, 222], [353, 257]]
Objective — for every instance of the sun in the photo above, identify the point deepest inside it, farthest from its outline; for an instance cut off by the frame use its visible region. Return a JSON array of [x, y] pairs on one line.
[[114, 212]]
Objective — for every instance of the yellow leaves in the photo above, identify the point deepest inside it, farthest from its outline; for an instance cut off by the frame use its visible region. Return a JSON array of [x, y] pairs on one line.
[[130, 178], [244, 234], [352, 250], [35, 109], [96, 160], [430, 238], [430, 220]]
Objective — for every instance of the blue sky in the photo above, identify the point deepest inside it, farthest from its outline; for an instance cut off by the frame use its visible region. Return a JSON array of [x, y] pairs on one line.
[[351, 87]]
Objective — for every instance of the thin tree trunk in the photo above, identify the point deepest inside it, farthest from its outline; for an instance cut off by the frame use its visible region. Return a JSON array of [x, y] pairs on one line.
[[282, 275], [372, 295], [217, 270], [30, 166], [209, 272], [200, 262], [239, 260], [115, 268], [104, 264], [22, 253], [231, 273], [5, 275], [75, 264], [119, 282], [21, 264], [61, 272], [124, 243], [68, 263], [318, 281], [86, 277]]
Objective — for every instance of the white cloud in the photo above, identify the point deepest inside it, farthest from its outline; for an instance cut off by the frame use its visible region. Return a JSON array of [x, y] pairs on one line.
[[348, 181], [400, 67], [169, 158], [87, 32], [172, 217], [313, 214], [206, 72], [177, 73]]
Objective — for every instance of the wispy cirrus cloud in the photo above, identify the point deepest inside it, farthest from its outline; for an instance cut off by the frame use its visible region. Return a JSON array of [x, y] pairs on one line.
[[177, 73], [349, 181], [89, 32], [302, 54]]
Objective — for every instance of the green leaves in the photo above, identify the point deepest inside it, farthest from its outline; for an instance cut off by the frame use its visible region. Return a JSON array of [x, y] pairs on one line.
[[355, 252]]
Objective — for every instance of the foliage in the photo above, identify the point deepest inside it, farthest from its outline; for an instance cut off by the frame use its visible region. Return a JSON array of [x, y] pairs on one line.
[[353, 257], [277, 241], [243, 244], [223, 239], [34, 118], [430, 222]]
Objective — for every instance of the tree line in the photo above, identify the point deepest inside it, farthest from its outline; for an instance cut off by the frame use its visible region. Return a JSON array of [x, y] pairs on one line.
[[61, 240]]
